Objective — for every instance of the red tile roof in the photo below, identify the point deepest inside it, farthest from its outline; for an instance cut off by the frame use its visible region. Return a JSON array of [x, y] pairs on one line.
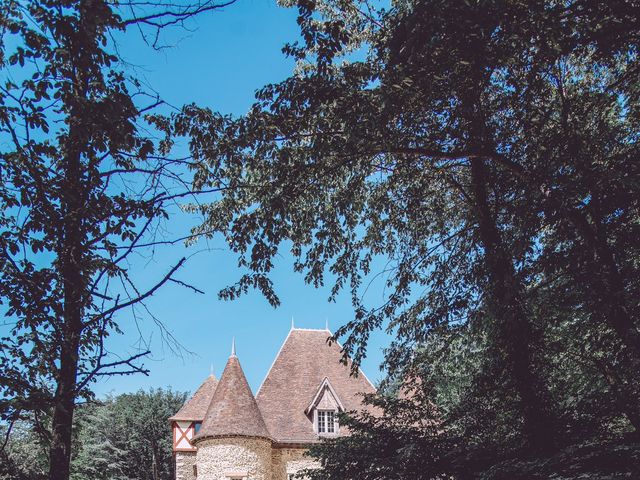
[[302, 364], [233, 409], [195, 408]]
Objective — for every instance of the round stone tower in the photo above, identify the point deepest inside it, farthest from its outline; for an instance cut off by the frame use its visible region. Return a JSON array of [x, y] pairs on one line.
[[233, 442]]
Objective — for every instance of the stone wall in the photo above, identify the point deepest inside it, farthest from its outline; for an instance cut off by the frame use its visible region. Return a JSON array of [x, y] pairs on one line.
[[185, 462], [219, 458], [286, 461]]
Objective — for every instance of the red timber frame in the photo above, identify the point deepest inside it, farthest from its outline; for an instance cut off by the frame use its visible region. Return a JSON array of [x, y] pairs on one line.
[[180, 434]]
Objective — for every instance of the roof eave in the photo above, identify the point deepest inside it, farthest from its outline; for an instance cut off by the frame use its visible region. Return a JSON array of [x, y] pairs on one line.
[[200, 438]]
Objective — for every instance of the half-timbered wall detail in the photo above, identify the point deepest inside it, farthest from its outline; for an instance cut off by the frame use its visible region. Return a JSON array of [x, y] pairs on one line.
[[183, 433]]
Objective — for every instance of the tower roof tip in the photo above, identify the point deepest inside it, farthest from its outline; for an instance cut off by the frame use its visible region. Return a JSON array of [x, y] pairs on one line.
[[233, 347]]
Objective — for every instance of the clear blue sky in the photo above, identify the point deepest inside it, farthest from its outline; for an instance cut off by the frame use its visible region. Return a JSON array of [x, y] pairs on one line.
[[220, 64]]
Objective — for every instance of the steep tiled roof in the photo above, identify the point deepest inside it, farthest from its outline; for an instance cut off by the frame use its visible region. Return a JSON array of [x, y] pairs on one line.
[[302, 364], [233, 409], [195, 408]]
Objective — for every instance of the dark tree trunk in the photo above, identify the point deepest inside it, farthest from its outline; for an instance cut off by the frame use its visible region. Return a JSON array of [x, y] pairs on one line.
[[72, 253], [512, 335], [605, 281], [611, 290], [603, 285], [512, 329], [60, 450], [73, 285]]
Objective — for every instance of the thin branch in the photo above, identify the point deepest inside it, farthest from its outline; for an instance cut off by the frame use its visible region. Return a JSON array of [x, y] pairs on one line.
[[139, 298], [97, 371], [160, 19], [179, 282]]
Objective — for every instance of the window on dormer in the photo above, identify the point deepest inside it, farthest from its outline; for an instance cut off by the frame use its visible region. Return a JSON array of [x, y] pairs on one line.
[[327, 421]]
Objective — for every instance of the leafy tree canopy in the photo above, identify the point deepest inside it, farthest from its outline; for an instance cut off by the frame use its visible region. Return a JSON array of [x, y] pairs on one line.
[[84, 183], [487, 150]]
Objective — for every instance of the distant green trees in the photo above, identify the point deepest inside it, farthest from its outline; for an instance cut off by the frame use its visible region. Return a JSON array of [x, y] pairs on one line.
[[24, 456], [125, 437], [486, 152]]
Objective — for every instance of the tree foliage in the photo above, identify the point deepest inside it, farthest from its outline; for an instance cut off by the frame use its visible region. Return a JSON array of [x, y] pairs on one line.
[[124, 437], [24, 456], [84, 183], [487, 151], [127, 437]]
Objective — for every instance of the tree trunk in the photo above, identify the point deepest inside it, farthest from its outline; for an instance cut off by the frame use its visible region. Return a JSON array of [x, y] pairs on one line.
[[605, 280], [611, 285], [62, 423], [73, 290], [605, 291], [72, 251], [513, 333]]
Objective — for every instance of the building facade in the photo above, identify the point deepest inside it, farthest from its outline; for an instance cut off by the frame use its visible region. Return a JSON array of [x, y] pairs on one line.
[[224, 432]]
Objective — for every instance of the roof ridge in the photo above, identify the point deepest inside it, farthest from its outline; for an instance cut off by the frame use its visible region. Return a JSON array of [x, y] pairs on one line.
[[312, 329]]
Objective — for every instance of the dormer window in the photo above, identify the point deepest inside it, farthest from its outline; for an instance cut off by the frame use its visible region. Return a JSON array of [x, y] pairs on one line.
[[323, 409], [327, 422]]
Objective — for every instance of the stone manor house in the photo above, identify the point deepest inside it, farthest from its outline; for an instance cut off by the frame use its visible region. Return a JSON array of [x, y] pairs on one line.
[[223, 432]]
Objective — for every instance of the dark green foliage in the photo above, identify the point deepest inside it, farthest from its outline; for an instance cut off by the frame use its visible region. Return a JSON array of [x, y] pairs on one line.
[[487, 152], [125, 437], [24, 456]]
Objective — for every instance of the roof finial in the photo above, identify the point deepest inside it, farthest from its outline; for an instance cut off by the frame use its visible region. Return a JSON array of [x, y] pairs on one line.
[[326, 323], [211, 369], [233, 347], [293, 326]]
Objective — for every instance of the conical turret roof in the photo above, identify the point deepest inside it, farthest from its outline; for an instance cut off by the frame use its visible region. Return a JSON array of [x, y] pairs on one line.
[[233, 409], [196, 407]]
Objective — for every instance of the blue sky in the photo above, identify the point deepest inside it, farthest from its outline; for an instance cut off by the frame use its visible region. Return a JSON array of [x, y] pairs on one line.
[[220, 63]]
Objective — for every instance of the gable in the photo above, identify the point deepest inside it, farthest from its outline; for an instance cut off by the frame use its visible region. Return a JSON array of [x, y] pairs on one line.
[[325, 398]]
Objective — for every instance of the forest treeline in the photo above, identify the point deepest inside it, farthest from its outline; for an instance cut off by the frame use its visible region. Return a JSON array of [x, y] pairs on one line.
[[123, 437]]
